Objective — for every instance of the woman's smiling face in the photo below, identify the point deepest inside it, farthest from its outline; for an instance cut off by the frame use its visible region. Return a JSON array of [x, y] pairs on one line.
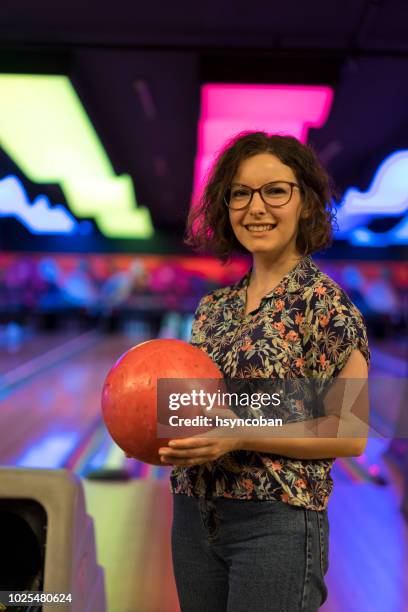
[[281, 224]]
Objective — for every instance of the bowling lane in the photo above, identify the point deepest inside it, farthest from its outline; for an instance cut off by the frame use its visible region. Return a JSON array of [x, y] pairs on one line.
[[43, 420], [21, 346]]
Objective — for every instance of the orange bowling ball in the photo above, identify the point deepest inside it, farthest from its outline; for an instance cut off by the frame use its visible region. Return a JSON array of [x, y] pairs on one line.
[[129, 396]]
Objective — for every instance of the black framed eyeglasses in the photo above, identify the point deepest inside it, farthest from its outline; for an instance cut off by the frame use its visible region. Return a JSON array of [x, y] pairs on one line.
[[275, 194]]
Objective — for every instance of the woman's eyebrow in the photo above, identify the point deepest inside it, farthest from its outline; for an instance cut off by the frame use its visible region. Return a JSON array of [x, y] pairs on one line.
[[267, 182]]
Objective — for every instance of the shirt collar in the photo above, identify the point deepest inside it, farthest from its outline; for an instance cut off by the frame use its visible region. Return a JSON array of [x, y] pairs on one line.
[[293, 282]]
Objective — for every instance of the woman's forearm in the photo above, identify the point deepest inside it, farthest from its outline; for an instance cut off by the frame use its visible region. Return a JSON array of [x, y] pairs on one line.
[[312, 444], [304, 448]]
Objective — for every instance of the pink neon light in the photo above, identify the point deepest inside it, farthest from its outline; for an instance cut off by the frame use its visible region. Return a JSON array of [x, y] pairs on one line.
[[229, 109]]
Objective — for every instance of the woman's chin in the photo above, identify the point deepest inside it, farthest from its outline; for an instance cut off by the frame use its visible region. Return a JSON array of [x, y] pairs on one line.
[[261, 247]]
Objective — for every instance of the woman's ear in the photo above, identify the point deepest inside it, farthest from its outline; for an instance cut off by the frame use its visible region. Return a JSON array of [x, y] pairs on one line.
[[304, 213]]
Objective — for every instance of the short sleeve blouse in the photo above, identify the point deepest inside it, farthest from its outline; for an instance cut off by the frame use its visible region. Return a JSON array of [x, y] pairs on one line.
[[306, 326]]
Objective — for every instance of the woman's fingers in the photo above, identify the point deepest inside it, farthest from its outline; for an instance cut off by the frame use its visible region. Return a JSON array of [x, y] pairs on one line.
[[186, 452], [184, 462], [185, 443], [190, 451]]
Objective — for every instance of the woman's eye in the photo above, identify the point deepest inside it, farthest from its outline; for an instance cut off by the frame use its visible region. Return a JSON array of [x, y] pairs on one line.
[[239, 193], [274, 191]]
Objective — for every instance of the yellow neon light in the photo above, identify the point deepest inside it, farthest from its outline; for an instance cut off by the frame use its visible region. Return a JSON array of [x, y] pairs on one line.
[[45, 129]]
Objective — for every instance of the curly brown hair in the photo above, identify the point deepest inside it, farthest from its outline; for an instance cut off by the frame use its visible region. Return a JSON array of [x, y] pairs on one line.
[[208, 226]]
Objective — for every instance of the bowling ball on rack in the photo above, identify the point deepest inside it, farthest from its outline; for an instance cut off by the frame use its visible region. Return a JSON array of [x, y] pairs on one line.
[[130, 393]]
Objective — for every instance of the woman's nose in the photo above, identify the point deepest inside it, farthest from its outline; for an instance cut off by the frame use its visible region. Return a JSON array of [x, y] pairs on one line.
[[257, 204]]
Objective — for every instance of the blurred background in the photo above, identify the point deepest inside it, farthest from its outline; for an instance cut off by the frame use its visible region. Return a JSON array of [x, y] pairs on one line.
[[110, 117]]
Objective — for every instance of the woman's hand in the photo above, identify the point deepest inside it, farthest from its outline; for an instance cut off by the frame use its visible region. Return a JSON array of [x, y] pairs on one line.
[[196, 451]]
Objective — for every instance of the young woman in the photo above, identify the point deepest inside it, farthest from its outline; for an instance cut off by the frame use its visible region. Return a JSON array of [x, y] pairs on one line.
[[250, 528]]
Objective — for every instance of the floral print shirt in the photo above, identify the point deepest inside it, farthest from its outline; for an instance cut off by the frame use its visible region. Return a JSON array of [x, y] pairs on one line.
[[306, 326]]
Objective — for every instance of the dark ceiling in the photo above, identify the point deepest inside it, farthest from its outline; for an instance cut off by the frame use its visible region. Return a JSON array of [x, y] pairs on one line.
[[112, 51]]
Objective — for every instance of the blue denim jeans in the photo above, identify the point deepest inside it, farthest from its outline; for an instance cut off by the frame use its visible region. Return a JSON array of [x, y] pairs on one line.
[[237, 555]]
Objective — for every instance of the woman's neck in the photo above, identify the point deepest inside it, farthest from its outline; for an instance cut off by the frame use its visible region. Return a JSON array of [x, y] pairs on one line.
[[267, 273]]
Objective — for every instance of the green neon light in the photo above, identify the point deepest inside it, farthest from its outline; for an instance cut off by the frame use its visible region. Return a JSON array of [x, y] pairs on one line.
[[45, 129]]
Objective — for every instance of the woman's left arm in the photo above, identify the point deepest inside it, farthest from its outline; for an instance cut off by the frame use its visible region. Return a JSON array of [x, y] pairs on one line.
[[341, 433]]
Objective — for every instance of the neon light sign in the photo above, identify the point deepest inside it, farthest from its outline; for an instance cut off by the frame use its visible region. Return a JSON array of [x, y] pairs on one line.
[[386, 196], [227, 110], [45, 129], [39, 217]]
